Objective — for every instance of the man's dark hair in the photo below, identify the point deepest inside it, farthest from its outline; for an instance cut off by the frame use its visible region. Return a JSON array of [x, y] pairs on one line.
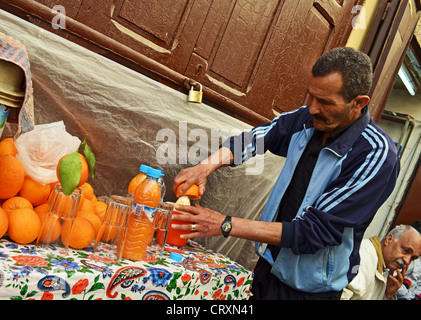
[[354, 66]]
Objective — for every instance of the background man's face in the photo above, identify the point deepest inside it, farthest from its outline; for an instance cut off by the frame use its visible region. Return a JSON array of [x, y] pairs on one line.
[[398, 253]]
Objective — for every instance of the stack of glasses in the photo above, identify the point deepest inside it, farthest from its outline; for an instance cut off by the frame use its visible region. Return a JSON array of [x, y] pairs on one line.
[[11, 84]]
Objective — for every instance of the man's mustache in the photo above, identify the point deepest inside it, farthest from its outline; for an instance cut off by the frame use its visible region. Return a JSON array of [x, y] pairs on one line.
[[319, 117], [400, 262]]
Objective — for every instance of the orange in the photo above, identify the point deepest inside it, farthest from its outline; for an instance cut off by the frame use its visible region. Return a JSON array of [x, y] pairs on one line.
[[24, 225], [34, 191], [4, 222], [51, 228], [84, 175], [86, 205], [81, 234], [14, 203], [87, 190], [41, 209], [94, 198], [11, 176], [192, 192], [92, 217], [63, 205], [7, 146], [110, 231], [53, 185], [100, 208]]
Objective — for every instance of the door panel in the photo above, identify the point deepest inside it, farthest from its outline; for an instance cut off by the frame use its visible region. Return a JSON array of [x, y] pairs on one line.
[[151, 20], [242, 42], [310, 43]]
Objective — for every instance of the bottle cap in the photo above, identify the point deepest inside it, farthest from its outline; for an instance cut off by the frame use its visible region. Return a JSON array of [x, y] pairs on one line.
[[176, 256], [144, 168], [154, 173]]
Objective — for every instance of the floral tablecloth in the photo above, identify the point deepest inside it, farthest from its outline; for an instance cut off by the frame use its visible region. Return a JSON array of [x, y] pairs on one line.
[[44, 273]]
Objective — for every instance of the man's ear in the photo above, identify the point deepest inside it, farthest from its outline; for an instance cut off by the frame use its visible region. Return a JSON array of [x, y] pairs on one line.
[[361, 101], [388, 239]]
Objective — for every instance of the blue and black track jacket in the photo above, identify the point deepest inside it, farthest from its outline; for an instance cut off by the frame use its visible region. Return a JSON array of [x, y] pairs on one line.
[[352, 178]]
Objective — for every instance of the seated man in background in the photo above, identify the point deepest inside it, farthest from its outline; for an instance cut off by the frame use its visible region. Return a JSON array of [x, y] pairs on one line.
[[383, 264], [411, 288]]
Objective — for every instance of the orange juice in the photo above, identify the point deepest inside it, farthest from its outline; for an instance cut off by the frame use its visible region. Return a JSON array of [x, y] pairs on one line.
[[137, 180], [140, 228], [173, 235]]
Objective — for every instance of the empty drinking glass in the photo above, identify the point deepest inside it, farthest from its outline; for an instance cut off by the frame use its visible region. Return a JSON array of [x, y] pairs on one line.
[[114, 224], [61, 212]]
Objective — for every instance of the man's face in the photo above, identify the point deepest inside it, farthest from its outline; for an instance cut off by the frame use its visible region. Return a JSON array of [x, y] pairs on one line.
[[328, 107], [398, 253]]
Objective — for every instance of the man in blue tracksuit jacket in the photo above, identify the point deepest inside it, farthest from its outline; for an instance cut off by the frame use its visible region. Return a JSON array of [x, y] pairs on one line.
[[340, 167]]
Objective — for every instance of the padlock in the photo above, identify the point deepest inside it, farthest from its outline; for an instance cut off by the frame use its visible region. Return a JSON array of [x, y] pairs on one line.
[[195, 96]]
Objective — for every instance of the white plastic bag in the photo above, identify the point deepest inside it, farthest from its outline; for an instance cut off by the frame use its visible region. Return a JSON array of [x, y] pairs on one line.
[[40, 150]]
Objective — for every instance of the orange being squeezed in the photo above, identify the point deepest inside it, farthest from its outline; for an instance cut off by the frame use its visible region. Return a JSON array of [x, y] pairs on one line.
[[140, 228]]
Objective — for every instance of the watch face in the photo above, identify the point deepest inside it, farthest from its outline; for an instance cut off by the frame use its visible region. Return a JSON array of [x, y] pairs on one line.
[[226, 226]]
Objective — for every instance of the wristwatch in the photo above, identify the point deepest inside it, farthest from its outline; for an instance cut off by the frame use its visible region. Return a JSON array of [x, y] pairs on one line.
[[226, 226]]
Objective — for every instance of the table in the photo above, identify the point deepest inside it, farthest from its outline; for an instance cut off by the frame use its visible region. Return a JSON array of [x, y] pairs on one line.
[[43, 273]]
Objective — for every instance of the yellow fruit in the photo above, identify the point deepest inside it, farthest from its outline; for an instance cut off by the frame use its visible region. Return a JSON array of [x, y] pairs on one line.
[[183, 200]]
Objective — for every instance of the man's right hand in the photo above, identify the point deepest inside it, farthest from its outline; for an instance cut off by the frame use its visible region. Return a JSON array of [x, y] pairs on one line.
[[199, 173], [189, 176]]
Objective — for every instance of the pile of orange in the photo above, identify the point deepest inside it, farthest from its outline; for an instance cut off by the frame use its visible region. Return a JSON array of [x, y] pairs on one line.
[[24, 203]]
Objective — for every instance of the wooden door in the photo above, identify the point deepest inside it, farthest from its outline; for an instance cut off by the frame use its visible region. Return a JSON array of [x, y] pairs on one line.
[[252, 57], [263, 57], [410, 210]]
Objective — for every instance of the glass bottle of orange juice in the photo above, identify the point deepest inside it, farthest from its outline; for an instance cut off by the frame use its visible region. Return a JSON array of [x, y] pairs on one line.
[[140, 228]]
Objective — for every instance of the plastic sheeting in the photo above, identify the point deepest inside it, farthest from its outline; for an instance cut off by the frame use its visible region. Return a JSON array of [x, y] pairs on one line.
[[130, 119]]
